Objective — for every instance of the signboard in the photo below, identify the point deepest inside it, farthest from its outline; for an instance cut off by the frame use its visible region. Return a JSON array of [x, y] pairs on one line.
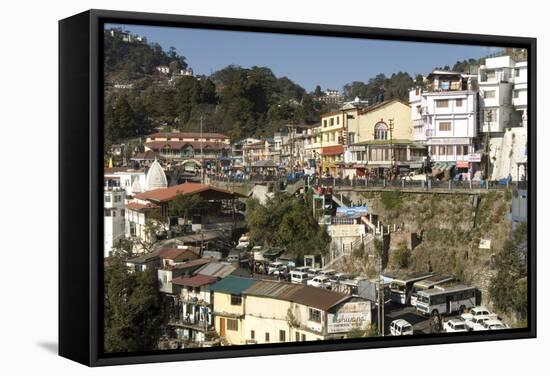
[[474, 157], [485, 244], [462, 164], [349, 316], [344, 231], [352, 211]]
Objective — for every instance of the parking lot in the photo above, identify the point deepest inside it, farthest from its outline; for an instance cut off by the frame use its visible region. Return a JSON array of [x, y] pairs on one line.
[[421, 324]]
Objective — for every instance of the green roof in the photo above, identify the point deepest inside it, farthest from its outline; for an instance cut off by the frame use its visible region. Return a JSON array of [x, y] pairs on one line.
[[232, 285]]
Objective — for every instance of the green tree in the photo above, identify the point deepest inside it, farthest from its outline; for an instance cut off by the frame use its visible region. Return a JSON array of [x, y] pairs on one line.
[[133, 310], [508, 288], [286, 222]]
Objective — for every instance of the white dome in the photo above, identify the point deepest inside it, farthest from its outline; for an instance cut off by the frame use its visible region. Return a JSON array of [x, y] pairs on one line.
[[136, 187], [155, 177]]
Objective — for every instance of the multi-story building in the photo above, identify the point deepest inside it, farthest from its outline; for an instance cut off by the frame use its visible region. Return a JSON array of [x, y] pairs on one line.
[[113, 217], [257, 151], [229, 308], [381, 138], [503, 106], [330, 96], [180, 146], [444, 117], [258, 311]]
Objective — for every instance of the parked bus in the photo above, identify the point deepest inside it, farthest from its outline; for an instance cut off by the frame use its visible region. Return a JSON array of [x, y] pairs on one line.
[[429, 283], [446, 299], [401, 288]]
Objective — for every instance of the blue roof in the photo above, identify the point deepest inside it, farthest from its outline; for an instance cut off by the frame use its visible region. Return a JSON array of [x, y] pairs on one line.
[[232, 285]]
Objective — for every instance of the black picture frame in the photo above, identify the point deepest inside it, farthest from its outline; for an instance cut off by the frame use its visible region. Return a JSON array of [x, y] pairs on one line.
[[80, 165]]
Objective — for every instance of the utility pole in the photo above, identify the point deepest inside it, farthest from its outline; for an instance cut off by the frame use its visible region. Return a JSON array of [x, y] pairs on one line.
[[392, 151], [202, 157]]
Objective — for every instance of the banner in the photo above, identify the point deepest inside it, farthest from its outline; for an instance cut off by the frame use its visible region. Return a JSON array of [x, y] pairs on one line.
[[352, 212]]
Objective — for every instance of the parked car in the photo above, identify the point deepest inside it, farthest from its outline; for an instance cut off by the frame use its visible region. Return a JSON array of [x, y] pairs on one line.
[[233, 256], [320, 281], [303, 269], [275, 267], [298, 277], [494, 325], [338, 277], [454, 326], [327, 272], [401, 327], [312, 272], [244, 242], [476, 323], [477, 311]]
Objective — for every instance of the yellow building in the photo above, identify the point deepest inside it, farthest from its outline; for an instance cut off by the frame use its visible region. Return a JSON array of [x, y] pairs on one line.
[[333, 137], [285, 312], [381, 139], [229, 308]]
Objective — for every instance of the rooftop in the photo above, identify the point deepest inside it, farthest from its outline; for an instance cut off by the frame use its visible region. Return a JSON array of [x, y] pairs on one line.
[[194, 281], [232, 285], [185, 189], [187, 135]]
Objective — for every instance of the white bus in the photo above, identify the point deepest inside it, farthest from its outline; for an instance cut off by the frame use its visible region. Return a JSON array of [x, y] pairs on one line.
[[429, 283], [446, 299], [401, 287]]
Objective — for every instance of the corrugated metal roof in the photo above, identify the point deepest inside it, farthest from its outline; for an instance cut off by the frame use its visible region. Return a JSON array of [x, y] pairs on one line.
[[318, 298], [310, 296], [217, 269], [271, 289], [232, 285]]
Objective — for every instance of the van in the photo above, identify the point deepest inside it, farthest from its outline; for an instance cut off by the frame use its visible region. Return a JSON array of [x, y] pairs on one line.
[[298, 277], [401, 327]]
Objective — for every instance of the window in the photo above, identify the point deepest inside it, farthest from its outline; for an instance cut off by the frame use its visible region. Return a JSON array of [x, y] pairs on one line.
[[419, 109], [433, 150], [107, 198], [381, 131], [314, 315], [458, 103], [232, 325], [491, 75], [450, 150], [445, 126], [324, 123], [442, 150], [297, 337], [282, 336], [516, 72], [252, 334], [442, 103], [516, 93], [331, 121], [338, 120], [267, 337], [122, 212], [489, 94], [118, 198], [303, 337], [351, 138], [132, 228], [236, 299], [333, 136]]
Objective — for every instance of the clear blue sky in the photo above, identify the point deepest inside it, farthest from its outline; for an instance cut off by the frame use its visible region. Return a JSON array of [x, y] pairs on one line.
[[307, 60]]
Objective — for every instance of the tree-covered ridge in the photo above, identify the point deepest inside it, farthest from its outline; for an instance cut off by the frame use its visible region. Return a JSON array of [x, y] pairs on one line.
[[130, 60]]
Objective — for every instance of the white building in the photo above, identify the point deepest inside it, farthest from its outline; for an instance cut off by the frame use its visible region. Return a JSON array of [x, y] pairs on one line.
[[132, 181], [503, 106], [444, 116], [113, 217]]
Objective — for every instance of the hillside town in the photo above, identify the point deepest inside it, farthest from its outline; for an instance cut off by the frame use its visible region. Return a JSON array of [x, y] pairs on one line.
[[184, 207]]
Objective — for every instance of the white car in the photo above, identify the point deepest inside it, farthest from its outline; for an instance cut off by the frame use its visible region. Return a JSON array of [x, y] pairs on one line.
[[319, 281], [494, 325], [275, 267], [244, 242], [477, 311], [312, 272], [476, 323], [455, 326], [401, 327], [298, 277]]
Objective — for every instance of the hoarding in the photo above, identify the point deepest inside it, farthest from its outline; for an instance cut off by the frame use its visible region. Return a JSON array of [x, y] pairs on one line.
[[349, 316]]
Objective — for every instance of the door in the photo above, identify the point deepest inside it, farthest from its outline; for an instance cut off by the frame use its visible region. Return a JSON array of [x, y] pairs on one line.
[[222, 326]]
